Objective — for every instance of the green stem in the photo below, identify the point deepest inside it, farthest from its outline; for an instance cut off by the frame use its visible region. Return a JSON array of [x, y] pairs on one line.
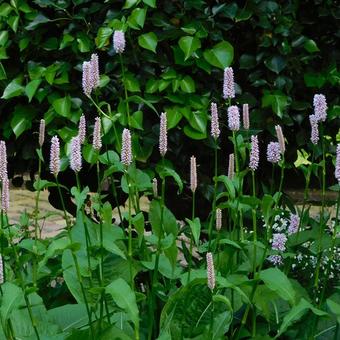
[[213, 211], [19, 273], [155, 272], [191, 235], [254, 223], [68, 225], [125, 90]]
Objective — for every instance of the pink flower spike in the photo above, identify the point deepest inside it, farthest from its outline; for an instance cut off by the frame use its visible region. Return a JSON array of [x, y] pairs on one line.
[[119, 41], [215, 130], [55, 156], [82, 129], [337, 164], [87, 78], [94, 71], [97, 138], [193, 174], [42, 132], [233, 118], [5, 195], [76, 160], [126, 156], [254, 154], [163, 139], [3, 160], [245, 114], [210, 271], [228, 83]]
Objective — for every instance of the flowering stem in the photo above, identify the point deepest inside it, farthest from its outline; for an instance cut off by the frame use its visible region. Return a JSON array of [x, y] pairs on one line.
[[125, 90], [322, 224], [155, 272], [213, 211], [75, 258], [19, 273], [191, 235], [254, 223]]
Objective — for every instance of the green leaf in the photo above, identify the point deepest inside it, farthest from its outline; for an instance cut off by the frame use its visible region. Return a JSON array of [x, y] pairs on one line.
[[296, 314], [151, 3], [31, 88], [169, 220], [277, 281], [39, 19], [137, 120], [80, 197], [103, 36], [125, 298], [90, 154], [132, 83], [62, 106], [148, 41], [189, 45], [11, 297], [188, 85], [137, 18], [13, 89], [195, 227], [69, 316], [334, 308], [22, 119], [221, 55], [311, 46], [130, 3], [276, 64], [3, 74], [168, 172], [278, 102], [302, 158], [314, 80], [43, 184]]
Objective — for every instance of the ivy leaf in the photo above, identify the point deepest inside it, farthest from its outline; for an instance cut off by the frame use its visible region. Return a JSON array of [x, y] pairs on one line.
[[13, 89], [103, 36], [62, 106], [189, 45], [188, 85], [148, 41], [151, 3], [31, 88], [137, 18], [311, 46], [302, 158], [278, 102], [276, 64], [221, 55]]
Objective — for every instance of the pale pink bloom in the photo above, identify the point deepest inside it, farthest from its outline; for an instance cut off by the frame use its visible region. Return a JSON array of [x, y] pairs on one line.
[[82, 129], [314, 129], [94, 71], [215, 130], [245, 114], [233, 118], [119, 41], [76, 159], [55, 156], [280, 138], [193, 174], [42, 132], [337, 163], [5, 195], [3, 160], [155, 187], [163, 139], [320, 107], [126, 156], [210, 271], [254, 154], [218, 219], [97, 138], [228, 83], [231, 167], [87, 81]]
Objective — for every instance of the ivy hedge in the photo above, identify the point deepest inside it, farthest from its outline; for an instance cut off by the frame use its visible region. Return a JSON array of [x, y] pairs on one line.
[[282, 52]]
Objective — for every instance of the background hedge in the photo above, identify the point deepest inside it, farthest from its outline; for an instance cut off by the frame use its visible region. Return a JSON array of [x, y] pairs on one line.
[[282, 52]]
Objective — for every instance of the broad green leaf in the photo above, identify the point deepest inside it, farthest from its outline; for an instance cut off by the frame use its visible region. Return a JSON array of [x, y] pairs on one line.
[[151, 3], [69, 316], [90, 154], [130, 3], [195, 227], [31, 88], [221, 55], [137, 120], [334, 308], [169, 220], [276, 64], [62, 106], [148, 41], [13, 89], [3, 74], [188, 85], [103, 36], [43, 184], [125, 298], [168, 172], [132, 83], [11, 296], [3, 37], [84, 42], [278, 102], [22, 119], [189, 45], [193, 133], [137, 18], [311, 46], [277, 281], [39, 19], [296, 313]]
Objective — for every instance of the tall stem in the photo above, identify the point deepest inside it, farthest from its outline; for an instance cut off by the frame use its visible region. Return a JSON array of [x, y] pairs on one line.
[[254, 223], [191, 235], [125, 90], [76, 264], [152, 311], [19, 273], [213, 211]]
